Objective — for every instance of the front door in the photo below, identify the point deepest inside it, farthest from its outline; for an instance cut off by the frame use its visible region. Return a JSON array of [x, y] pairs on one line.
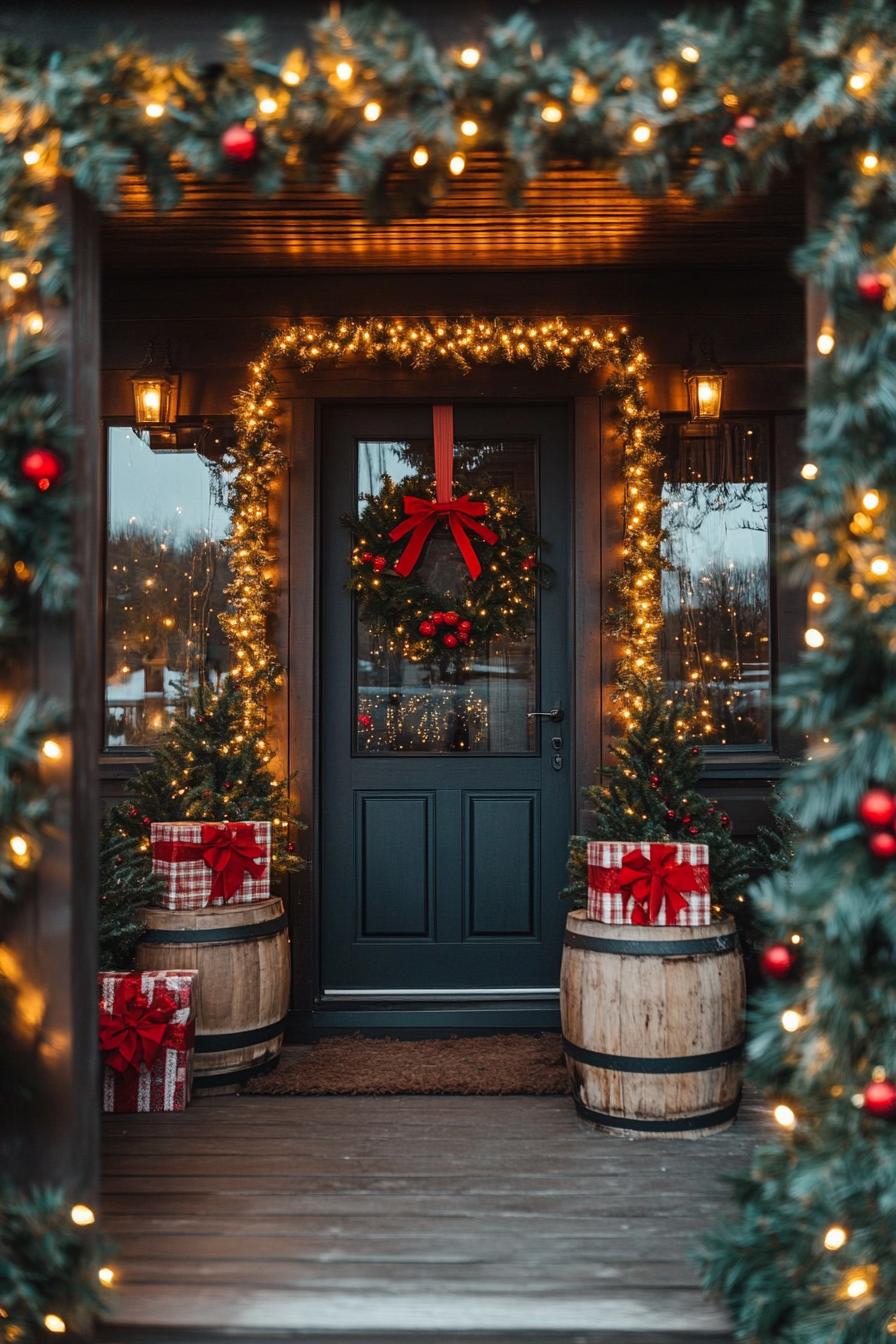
[[446, 804]]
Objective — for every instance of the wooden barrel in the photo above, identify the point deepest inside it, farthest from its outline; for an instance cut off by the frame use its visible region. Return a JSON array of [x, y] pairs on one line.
[[653, 1026], [242, 955]]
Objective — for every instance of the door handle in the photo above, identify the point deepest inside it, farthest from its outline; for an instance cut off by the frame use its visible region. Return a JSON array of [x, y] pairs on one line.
[[555, 714]]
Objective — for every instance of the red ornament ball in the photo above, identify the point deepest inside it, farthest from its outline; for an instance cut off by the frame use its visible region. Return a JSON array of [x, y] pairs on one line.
[[367, 557], [877, 807], [463, 636], [777, 961], [746, 122], [692, 830], [365, 721], [239, 144], [379, 563], [427, 628], [464, 627], [729, 139], [882, 844], [437, 617], [686, 819], [450, 641], [695, 751], [871, 286], [654, 781], [147, 821], [880, 1099], [451, 618], [42, 467], [671, 815], [725, 820], [290, 848], [528, 563]]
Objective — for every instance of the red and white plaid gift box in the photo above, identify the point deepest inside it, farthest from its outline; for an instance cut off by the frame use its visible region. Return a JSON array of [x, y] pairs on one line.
[[212, 862], [147, 1028], [648, 882]]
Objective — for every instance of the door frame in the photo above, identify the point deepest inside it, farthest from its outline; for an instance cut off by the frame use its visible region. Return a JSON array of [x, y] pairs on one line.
[[594, 553]]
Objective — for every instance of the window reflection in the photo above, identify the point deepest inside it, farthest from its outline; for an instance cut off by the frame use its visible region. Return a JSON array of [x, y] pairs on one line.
[[166, 571], [715, 591], [402, 705]]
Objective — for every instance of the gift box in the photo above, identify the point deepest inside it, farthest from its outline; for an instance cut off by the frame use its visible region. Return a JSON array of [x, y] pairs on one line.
[[212, 862], [631, 882], [146, 1029]]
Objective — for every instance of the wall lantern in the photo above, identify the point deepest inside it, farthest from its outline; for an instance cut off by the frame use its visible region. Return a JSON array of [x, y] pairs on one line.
[[156, 386], [704, 379]]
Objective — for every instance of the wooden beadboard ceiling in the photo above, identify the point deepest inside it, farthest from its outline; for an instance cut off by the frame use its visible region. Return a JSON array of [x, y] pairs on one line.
[[572, 217]]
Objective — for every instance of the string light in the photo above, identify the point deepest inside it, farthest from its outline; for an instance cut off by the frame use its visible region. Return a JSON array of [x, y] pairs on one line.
[[784, 1116], [82, 1215], [669, 95], [869, 163], [858, 1283], [791, 1020], [344, 71], [690, 53], [813, 637], [17, 279], [293, 69], [835, 1238], [470, 57], [880, 566], [859, 82], [808, 471], [469, 127], [34, 323], [373, 110], [267, 105], [552, 113], [31, 157], [457, 163], [106, 1275], [55, 1324], [51, 749], [825, 340], [871, 500], [20, 850], [641, 132], [420, 157], [154, 110]]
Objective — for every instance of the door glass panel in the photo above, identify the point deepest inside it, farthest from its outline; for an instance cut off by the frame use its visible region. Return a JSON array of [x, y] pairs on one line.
[[715, 589], [480, 703]]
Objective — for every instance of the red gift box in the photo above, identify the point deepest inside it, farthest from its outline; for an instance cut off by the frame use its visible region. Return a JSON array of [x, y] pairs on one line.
[[212, 862], [647, 882], [147, 1027]]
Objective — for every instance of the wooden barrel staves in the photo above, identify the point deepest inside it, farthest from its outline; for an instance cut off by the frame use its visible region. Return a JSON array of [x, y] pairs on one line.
[[242, 955], [653, 1026]]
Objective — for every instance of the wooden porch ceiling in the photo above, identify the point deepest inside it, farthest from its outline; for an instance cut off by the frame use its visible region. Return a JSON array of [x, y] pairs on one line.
[[572, 218]]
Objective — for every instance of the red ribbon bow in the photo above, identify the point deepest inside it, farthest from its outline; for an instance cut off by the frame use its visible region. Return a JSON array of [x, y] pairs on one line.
[[423, 514], [133, 1034], [651, 881], [230, 851]]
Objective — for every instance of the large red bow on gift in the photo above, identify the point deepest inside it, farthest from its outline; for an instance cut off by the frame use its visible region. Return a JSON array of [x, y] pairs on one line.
[[133, 1034], [651, 881], [230, 851], [423, 514]]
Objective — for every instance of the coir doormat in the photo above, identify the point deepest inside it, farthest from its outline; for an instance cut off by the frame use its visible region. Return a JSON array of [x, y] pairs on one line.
[[463, 1066]]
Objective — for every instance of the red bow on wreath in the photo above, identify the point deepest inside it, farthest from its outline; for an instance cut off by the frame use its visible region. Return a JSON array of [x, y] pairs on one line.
[[423, 514], [651, 881], [132, 1036]]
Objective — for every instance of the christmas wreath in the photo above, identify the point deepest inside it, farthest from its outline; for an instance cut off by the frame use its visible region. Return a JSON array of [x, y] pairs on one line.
[[481, 584]]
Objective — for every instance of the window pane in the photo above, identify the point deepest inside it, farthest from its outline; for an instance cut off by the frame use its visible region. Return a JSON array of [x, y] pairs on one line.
[[481, 706], [715, 593], [166, 571]]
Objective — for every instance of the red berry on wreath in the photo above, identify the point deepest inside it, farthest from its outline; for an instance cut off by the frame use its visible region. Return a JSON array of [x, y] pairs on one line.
[[239, 144], [692, 830], [880, 1099], [528, 562], [872, 286], [465, 627], [451, 618], [365, 721], [778, 961], [379, 563], [654, 781], [671, 814], [725, 820], [451, 642], [686, 819], [437, 617], [147, 821], [367, 557], [877, 807], [882, 844], [290, 848], [427, 628], [42, 467]]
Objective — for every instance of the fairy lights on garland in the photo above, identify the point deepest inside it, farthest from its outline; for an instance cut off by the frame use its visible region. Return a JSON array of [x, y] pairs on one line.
[[460, 343]]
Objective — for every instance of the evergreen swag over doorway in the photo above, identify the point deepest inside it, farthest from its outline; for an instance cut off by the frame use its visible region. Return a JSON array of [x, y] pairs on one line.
[[725, 103]]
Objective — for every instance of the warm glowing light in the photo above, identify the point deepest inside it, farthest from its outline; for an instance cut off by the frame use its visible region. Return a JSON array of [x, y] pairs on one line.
[[856, 1284], [17, 279], [552, 113], [457, 163], [808, 471], [669, 95], [51, 749], [796, 938], [813, 637], [690, 53], [641, 133], [152, 400], [293, 70], [344, 71], [784, 1116], [869, 162], [420, 157], [106, 1275], [825, 341], [31, 157], [818, 597], [19, 846], [871, 500], [34, 323], [791, 1020], [82, 1215], [373, 110], [835, 1238], [469, 127], [267, 105], [55, 1324], [470, 57], [154, 110], [880, 566], [859, 82]]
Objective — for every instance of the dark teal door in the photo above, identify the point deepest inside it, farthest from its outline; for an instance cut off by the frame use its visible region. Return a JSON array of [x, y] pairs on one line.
[[446, 805]]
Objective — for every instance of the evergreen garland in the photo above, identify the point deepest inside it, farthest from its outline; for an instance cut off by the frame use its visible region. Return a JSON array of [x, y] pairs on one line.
[[126, 884]]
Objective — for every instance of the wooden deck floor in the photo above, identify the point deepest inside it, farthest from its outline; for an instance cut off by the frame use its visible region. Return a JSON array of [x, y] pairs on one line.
[[408, 1219]]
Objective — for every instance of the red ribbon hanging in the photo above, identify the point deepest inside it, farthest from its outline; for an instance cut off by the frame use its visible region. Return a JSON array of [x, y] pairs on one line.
[[652, 880], [133, 1033], [229, 849], [461, 514]]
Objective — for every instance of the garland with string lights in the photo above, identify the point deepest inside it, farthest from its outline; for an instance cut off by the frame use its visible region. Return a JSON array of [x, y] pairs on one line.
[[725, 103], [258, 463]]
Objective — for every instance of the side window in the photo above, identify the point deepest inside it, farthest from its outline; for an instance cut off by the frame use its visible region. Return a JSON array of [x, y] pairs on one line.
[[165, 574], [716, 589]]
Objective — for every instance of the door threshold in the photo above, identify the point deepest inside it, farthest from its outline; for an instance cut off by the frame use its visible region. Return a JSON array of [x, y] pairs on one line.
[[418, 1016], [443, 995]]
